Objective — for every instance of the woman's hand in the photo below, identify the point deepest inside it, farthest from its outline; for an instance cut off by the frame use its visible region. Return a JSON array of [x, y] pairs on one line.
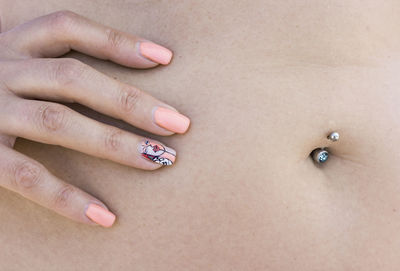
[[28, 72]]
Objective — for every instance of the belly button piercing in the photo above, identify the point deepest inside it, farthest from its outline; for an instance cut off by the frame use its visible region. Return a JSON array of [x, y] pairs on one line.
[[321, 155], [333, 136]]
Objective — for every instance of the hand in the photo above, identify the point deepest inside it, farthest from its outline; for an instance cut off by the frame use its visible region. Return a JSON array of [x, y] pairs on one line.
[[29, 72]]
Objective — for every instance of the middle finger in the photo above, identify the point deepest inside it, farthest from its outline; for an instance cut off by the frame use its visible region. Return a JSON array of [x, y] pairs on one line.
[[70, 80]]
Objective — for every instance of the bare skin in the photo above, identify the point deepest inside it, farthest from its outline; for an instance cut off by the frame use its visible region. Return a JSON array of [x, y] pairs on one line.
[[263, 84]]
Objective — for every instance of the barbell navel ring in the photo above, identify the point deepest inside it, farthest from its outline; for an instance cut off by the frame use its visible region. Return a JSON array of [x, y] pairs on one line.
[[320, 156], [334, 136]]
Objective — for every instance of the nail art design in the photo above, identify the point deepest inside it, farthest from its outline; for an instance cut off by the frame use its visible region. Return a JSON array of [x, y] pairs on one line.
[[157, 152]]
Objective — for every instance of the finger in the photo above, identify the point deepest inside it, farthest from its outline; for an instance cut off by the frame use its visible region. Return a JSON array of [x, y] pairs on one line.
[[56, 34], [57, 124], [7, 141], [32, 180], [70, 80]]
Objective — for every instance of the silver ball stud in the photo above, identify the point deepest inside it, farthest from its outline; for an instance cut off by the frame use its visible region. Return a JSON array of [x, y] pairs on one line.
[[320, 155], [334, 136]]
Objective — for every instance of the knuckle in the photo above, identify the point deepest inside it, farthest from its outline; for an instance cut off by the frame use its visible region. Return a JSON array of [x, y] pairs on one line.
[[112, 139], [7, 141], [61, 20], [52, 118], [64, 196], [27, 175], [9, 46], [128, 99], [66, 71], [114, 38]]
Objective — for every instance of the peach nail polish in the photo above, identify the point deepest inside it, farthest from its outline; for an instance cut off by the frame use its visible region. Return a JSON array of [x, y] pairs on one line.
[[171, 120], [100, 215], [155, 53]]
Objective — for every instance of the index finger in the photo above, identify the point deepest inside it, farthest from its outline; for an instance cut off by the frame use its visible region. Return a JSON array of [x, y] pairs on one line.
[[56, 34]]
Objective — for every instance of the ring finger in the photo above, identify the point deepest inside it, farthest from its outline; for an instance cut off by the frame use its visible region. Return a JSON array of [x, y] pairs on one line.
[[56, 124]]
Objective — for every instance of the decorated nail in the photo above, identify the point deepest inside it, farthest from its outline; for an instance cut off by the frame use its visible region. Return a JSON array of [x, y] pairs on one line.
[[156, 152]]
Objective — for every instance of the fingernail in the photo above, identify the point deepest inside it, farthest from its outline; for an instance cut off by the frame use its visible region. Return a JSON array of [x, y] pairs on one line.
[[155, 53], [171, 120], [100, 215], [156, 152]]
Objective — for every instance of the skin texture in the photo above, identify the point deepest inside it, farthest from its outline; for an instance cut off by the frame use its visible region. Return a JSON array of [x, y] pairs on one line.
[[264, 83], [29, 48]]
